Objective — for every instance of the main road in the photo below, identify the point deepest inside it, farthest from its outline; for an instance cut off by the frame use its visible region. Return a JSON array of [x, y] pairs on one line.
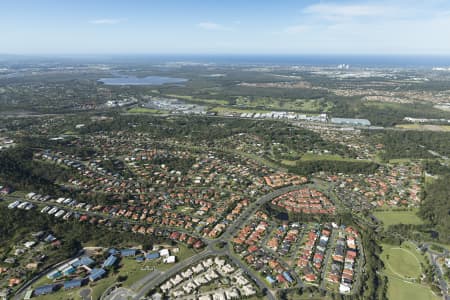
[[213, 249]]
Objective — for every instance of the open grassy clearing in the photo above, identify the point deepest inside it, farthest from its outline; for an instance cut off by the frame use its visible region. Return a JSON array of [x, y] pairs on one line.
[[310, 156], [403, 269], [101, 286], [429, 179], [222, 109], [257, 158], [385, 105], [131, 269], [135, 270], [392, 217], [191, 98], [424, 127], [42, 281], [401, 262], [306, 105], [401, 290], [143, 110], [61, 295], [400, 160], [316, 157]]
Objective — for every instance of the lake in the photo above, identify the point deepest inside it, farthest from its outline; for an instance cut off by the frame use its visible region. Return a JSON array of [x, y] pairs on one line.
[[133, 80]]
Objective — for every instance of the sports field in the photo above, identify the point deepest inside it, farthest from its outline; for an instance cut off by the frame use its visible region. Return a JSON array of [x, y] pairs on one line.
[[403, 269], [391, 217]]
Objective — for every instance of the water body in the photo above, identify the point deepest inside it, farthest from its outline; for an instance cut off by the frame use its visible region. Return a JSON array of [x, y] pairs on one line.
[[371, 61], [282, 216], [133, 80]]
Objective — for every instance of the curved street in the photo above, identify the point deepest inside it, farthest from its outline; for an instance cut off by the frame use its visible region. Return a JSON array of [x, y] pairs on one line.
[[151, 282]]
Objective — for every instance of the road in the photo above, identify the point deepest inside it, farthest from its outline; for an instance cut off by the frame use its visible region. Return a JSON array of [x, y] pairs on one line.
[[357, 282], [211, 250], [434, 256], [121, 220], [153, 280], [150, 276], [156, 281], [119, 294], [232, 229], [21, 292], [440, 273], [329, 251]]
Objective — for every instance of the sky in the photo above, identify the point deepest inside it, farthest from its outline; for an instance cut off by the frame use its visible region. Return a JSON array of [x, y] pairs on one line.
[[224, 27]]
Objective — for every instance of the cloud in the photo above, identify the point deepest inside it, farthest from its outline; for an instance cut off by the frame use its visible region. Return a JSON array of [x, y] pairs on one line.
[[212, 26], [342, 11], [106, 21], [372, 27]]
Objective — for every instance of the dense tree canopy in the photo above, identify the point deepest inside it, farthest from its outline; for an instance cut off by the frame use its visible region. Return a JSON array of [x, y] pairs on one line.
[[435, 207]]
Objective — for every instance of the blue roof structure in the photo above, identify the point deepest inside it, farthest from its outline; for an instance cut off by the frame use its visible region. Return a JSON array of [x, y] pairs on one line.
[[113, 251], [110, 261], [76, 283], [86, 260], [270, 279], [69, 270], [49, 238], [287, 276], [96, 274], [76, 263], [153, 255], [45, 289], [128, 252], [140, 258], [54, 274]]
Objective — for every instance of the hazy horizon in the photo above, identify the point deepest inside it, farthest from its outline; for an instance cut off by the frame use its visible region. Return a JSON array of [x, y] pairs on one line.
[[50, 27], [326, 60]]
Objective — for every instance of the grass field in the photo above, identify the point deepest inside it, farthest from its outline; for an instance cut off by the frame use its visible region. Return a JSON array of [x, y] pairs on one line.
[[424, 127], [143, 110], [311, 157], [101, 286], [400, 160], [403, 268], [129, 267], [61, 295], [305, 105], [222, 109], [206, 101], [400, 290], [402, 261], [396, 217], [136, 270]]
